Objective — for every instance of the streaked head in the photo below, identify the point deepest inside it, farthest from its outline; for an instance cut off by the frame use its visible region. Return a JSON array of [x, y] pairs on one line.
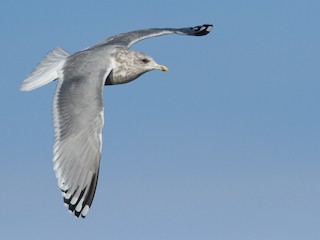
[[146, 62], [129, 65]]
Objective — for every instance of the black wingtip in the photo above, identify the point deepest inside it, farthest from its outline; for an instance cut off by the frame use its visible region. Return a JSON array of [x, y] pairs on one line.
[[202, 30]]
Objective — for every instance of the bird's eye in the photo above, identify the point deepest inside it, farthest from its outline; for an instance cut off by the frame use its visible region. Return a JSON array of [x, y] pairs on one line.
[[145, 60]]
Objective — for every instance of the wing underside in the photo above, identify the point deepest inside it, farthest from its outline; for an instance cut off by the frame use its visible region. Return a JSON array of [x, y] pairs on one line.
[[78, 122]]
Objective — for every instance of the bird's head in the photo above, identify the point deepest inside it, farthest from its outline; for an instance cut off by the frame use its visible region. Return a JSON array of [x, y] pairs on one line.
[[129, 65], [146, 63]]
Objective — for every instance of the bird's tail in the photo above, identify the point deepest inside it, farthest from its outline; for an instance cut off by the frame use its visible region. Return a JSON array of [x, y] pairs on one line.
[[46, 71]]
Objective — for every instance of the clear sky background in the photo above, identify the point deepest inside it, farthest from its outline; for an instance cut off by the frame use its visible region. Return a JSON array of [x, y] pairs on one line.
[[225, 146]]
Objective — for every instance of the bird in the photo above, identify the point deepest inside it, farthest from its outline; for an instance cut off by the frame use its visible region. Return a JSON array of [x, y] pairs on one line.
[[78, 109]]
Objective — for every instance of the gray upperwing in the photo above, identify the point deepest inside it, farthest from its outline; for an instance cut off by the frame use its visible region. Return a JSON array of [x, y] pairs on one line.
[[78, 122], [130, 38]]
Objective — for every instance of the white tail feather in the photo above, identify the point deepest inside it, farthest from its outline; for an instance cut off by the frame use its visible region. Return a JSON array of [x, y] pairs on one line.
[[46, 71]]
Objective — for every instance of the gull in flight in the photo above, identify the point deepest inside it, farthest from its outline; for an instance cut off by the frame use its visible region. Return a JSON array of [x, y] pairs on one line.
[[78, 113]]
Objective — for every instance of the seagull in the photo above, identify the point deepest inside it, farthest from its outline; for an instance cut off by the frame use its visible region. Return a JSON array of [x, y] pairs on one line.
[[78, 112]]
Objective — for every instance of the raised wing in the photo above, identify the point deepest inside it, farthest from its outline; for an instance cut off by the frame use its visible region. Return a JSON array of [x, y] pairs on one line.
[[130, 38], [78, 122]]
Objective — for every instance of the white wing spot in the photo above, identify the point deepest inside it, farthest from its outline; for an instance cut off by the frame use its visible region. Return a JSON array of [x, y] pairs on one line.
[[85, 210], [74, 200], [79, 206]]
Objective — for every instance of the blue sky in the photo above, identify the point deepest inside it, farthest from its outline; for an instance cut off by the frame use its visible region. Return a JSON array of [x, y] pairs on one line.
[[223, 146]]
